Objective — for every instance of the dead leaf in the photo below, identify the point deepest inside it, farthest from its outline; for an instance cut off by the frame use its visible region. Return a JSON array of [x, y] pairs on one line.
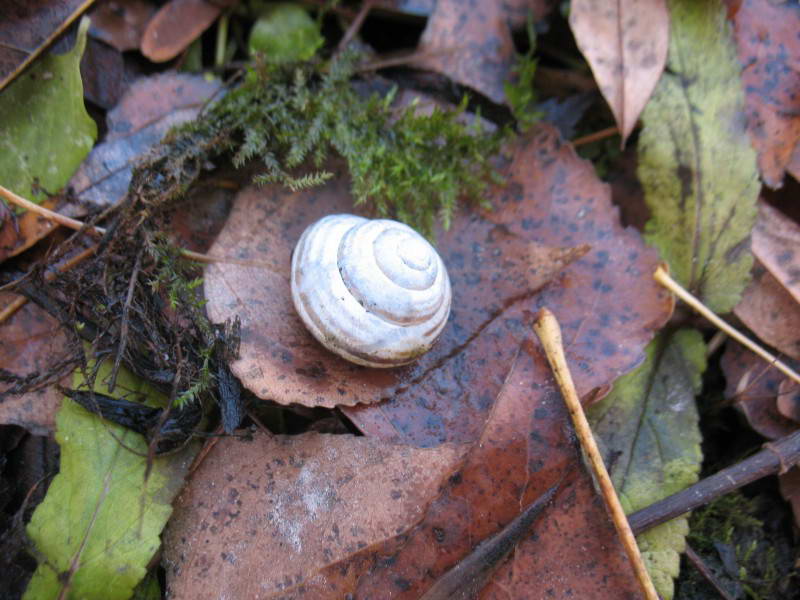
[[788, 402], [104, 74], [754, 386], [147, 111], [259, 516], [17, 234], [31, 341], [775, 242], [121, 23], [279, 519], [516, 11], [771, 312], [471, 44], [626, 45], [769, 51], [28, 27], [176, 25]]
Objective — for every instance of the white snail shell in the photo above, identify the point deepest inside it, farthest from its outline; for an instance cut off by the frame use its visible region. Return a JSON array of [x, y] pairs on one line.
[[373, 291]]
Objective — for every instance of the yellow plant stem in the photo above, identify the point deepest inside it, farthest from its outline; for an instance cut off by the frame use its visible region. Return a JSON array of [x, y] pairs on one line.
[[662, 277], [549, 332]]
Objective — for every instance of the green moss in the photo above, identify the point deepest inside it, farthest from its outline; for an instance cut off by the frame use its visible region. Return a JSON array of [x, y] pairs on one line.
[[291, 117]]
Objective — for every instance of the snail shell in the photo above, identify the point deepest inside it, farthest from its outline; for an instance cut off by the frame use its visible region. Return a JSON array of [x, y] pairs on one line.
[[373, 291]]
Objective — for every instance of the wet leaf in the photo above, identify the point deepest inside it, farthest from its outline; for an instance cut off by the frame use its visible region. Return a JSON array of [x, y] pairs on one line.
[[31, 342], [471, 44], [776, 240], [788, 402], [626, 45], [285, 33], [790, 490], [303, 502], [27, 27], [754, 386], [18, 233], [650, 432], [150, 107], [176, 25], [771, 312], [45, 131], [495, 261], [121, 24], [99, 524], [769, 52], [695, 162]]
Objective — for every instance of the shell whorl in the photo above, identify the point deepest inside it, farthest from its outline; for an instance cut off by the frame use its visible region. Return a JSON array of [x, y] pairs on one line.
[[372, 291]]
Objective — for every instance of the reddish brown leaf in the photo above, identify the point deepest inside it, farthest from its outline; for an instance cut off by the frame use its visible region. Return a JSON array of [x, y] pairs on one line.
[[176, 25], [607, 302], [626, 45], [769, 51], [788, 402], [297, 523], [771, 312], [753, 386], [470, 43], [103, 72], [149, 108], [17, 234], [776, 243], [260, 516], [31, 341], [27, 27], [121, 23]]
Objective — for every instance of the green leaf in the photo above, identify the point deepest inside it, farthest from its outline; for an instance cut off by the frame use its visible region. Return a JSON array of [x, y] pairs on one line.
[[285, 33], [45, 131], [648, 428], [99, 525], [695, 161]]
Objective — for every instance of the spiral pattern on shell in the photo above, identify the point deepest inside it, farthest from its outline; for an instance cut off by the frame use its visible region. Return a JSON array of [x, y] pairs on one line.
[[373, 291]]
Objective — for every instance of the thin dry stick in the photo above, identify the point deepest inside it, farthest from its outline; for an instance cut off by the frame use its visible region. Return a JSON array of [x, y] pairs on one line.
[[597, 135], [662, 277], [78, 225], [549, 332], [355, 26]]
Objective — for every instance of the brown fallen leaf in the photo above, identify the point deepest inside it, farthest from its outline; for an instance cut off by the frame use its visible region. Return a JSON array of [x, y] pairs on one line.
[[771, 312], [104, 73], [17, 234], [31, 341], [258, 517], [788, 402], [754, 386], [145, 113], [471, 44], [121, 23], [28, 27], [769, 51], [607, 302], [176, 25], [626, 45], [237, 519], [776, 243]]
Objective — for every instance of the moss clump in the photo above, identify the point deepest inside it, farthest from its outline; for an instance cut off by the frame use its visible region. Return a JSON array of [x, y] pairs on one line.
[[290, 117]]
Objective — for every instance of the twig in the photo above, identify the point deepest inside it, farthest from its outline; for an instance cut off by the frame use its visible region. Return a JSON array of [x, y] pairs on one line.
[[776, 457], [662, 277], [701, 566], [355, 26], [596, 136], [80, 225], [549, 332], [125, 321]]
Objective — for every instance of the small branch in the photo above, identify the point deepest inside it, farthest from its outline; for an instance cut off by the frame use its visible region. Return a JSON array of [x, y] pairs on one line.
[[701, 566], [776, 457], [596, 136], [52, 215], [549, 332], [662, 277], [355, 26], [125, 321]]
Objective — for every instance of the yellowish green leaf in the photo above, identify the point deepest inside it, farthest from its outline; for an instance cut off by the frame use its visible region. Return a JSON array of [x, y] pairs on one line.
[[100, 523], [649, 430], [695, 161], [45, 131], [285, 33]]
